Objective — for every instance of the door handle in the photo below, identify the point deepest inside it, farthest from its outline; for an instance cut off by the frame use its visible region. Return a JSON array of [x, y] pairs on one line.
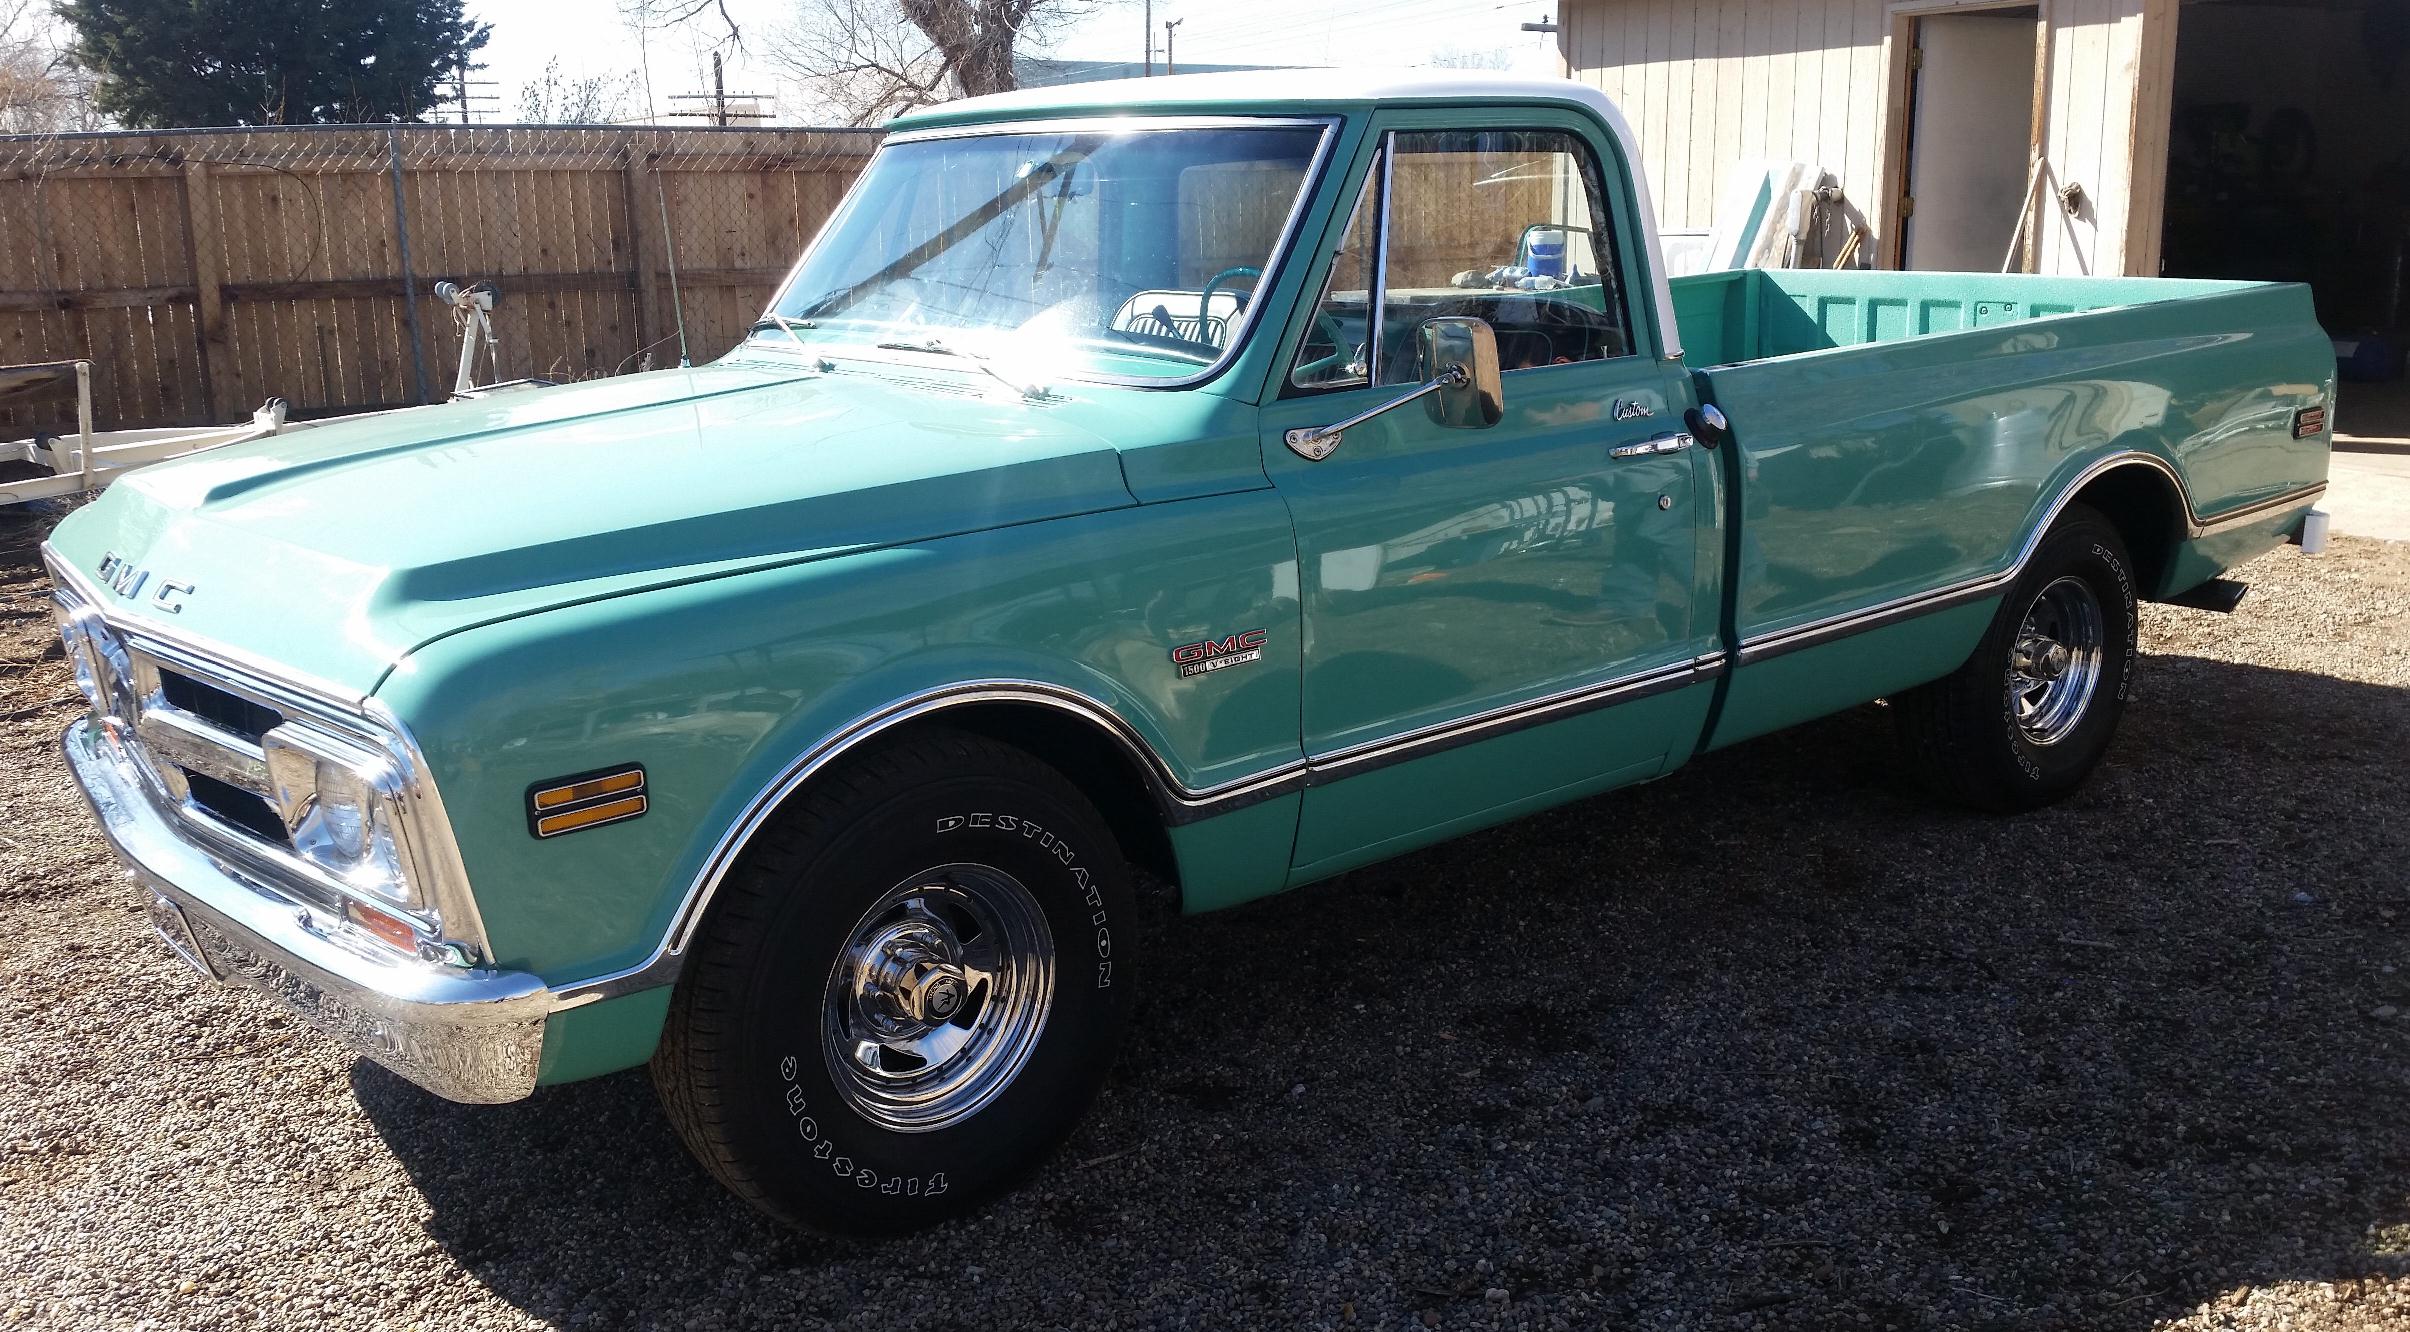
[[1649, 448]]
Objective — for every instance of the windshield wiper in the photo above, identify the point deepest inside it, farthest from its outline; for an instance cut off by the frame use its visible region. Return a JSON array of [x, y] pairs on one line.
[[936, 346], [784, 325], [1035, 179]]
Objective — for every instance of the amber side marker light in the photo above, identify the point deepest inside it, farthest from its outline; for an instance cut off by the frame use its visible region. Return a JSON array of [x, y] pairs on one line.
[[585, 800], [384, 925]]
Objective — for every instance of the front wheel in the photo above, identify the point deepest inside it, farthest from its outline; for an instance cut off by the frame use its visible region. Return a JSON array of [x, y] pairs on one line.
[[908, 992], [2031, 713]]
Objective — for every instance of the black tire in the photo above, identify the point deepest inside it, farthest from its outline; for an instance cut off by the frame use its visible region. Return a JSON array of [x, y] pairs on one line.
[[1963, 732], [743, 1070]]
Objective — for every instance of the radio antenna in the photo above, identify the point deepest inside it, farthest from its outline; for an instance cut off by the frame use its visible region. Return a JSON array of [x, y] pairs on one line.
[[669, 251]]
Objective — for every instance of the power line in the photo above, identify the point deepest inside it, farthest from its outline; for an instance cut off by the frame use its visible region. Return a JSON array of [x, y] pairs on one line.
[[1415, 12], [464, 96], [720, 113]]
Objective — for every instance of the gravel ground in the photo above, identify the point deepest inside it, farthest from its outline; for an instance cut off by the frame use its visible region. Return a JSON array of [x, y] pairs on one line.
[[1772, 1043]]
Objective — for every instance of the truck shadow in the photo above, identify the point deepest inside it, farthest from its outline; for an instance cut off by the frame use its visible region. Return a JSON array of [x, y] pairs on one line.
[[1773, 1037]]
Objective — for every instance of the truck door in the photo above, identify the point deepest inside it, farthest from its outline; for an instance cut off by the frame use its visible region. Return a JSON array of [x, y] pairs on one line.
[[1495, 619]]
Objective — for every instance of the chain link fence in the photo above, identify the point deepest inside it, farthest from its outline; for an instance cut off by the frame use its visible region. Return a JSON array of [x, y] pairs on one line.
[[206, 271]]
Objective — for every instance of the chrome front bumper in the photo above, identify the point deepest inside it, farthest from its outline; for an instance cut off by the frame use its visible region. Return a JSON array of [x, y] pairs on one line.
[[466, 1035]]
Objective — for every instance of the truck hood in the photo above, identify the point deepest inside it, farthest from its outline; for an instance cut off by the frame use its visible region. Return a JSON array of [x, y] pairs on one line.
[[334, 550]]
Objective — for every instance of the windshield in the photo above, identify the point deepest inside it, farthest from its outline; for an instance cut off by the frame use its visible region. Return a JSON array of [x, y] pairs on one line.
[[1120, 251]]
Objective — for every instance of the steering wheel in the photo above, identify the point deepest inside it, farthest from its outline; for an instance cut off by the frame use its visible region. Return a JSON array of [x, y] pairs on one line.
[[1205, 297], [1328, 327]]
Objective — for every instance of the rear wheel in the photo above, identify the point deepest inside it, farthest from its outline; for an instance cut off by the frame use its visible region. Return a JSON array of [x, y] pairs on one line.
[[908, 991], [2031, 713]]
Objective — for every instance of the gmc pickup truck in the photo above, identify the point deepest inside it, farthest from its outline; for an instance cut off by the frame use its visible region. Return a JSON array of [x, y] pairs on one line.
[[1240, 478]]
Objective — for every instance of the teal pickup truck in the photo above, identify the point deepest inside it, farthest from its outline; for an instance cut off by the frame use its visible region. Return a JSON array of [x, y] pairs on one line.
[[1240, 478]]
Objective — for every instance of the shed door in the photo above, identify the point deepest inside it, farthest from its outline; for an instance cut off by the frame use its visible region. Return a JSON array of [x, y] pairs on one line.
[[1970, 139]]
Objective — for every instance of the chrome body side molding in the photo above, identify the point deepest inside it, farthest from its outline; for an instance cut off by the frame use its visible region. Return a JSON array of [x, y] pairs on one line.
[[1177, 803], [1818, 632]]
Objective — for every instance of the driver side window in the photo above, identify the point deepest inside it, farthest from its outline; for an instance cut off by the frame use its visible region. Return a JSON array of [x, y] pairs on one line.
[[1508, 226]]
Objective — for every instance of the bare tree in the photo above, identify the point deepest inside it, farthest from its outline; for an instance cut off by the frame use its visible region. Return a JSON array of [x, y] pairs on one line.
[[553, 98], [872, 59], [41, 90]]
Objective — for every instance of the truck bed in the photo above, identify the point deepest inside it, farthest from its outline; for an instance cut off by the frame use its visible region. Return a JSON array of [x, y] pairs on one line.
[[1898, 433], [1753, 314]]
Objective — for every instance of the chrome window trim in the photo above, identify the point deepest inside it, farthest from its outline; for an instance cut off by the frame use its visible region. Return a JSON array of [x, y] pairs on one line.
[[1121, 120], [1378, 298], [431, 850], [1276, 263], [1815, 633], [1180, 804]]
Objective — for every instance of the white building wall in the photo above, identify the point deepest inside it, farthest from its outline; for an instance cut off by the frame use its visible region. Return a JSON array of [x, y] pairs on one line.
[[1708, 83]]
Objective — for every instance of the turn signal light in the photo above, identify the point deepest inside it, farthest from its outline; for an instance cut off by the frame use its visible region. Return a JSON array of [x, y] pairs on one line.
[[586, 800], [384, 925]]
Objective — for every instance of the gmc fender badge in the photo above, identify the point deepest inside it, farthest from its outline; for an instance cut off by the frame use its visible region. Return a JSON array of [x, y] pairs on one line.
[[1217, 654], [120, 576], [2309, 421]]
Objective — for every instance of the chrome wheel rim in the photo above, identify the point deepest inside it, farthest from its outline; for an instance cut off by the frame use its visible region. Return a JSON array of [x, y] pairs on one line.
[[2055, 665], [938, 998]]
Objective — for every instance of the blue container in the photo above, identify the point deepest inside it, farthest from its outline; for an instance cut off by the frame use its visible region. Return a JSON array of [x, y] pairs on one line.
[[2368, 358]]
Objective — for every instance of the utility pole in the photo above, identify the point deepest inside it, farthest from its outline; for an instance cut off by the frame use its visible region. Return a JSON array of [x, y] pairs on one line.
[[1147, 31], [468, 94], [719, 113], [1168, 25]]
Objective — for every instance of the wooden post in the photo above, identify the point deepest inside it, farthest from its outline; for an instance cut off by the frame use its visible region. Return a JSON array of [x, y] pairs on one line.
[[643, 185], [401, 234], [209, 293]]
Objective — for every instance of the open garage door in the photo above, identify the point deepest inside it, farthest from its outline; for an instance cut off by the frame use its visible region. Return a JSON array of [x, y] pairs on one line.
[[2289, 160]]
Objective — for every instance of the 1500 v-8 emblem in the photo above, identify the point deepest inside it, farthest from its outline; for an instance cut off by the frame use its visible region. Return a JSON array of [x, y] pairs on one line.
[[1214, 654]]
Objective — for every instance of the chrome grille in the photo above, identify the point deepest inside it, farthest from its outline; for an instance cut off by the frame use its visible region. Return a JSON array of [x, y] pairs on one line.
[[195, 742], [245, 717], [232, 804]]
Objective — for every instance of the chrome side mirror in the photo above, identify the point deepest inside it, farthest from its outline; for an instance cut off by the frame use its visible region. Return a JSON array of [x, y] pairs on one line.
[[1464, 389], [1463, 354]]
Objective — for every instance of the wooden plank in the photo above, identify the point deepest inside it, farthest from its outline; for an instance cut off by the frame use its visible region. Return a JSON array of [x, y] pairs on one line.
[[2076, 98], [104, 251], [1884, 126], [643, 183], [208, 266], [1672, 127], [2120, 125], [2146, 220], [1699, 144], [117, 298], [318, 289]]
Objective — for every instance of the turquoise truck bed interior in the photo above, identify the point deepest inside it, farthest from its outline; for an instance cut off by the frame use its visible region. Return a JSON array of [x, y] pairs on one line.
[[1754, 314]]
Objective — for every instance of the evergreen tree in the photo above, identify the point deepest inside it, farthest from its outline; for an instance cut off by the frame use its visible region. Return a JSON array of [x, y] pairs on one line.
[[170, 63]]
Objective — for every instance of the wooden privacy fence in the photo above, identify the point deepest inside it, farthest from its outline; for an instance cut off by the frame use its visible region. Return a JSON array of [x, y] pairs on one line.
[[205, 271]]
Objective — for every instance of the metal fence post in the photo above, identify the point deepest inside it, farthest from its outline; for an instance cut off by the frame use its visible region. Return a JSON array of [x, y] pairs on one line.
[[401, 230]]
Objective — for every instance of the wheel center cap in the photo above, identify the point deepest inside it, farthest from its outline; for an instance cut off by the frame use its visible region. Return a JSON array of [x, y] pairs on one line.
[[938, 995], [2043, 658]]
